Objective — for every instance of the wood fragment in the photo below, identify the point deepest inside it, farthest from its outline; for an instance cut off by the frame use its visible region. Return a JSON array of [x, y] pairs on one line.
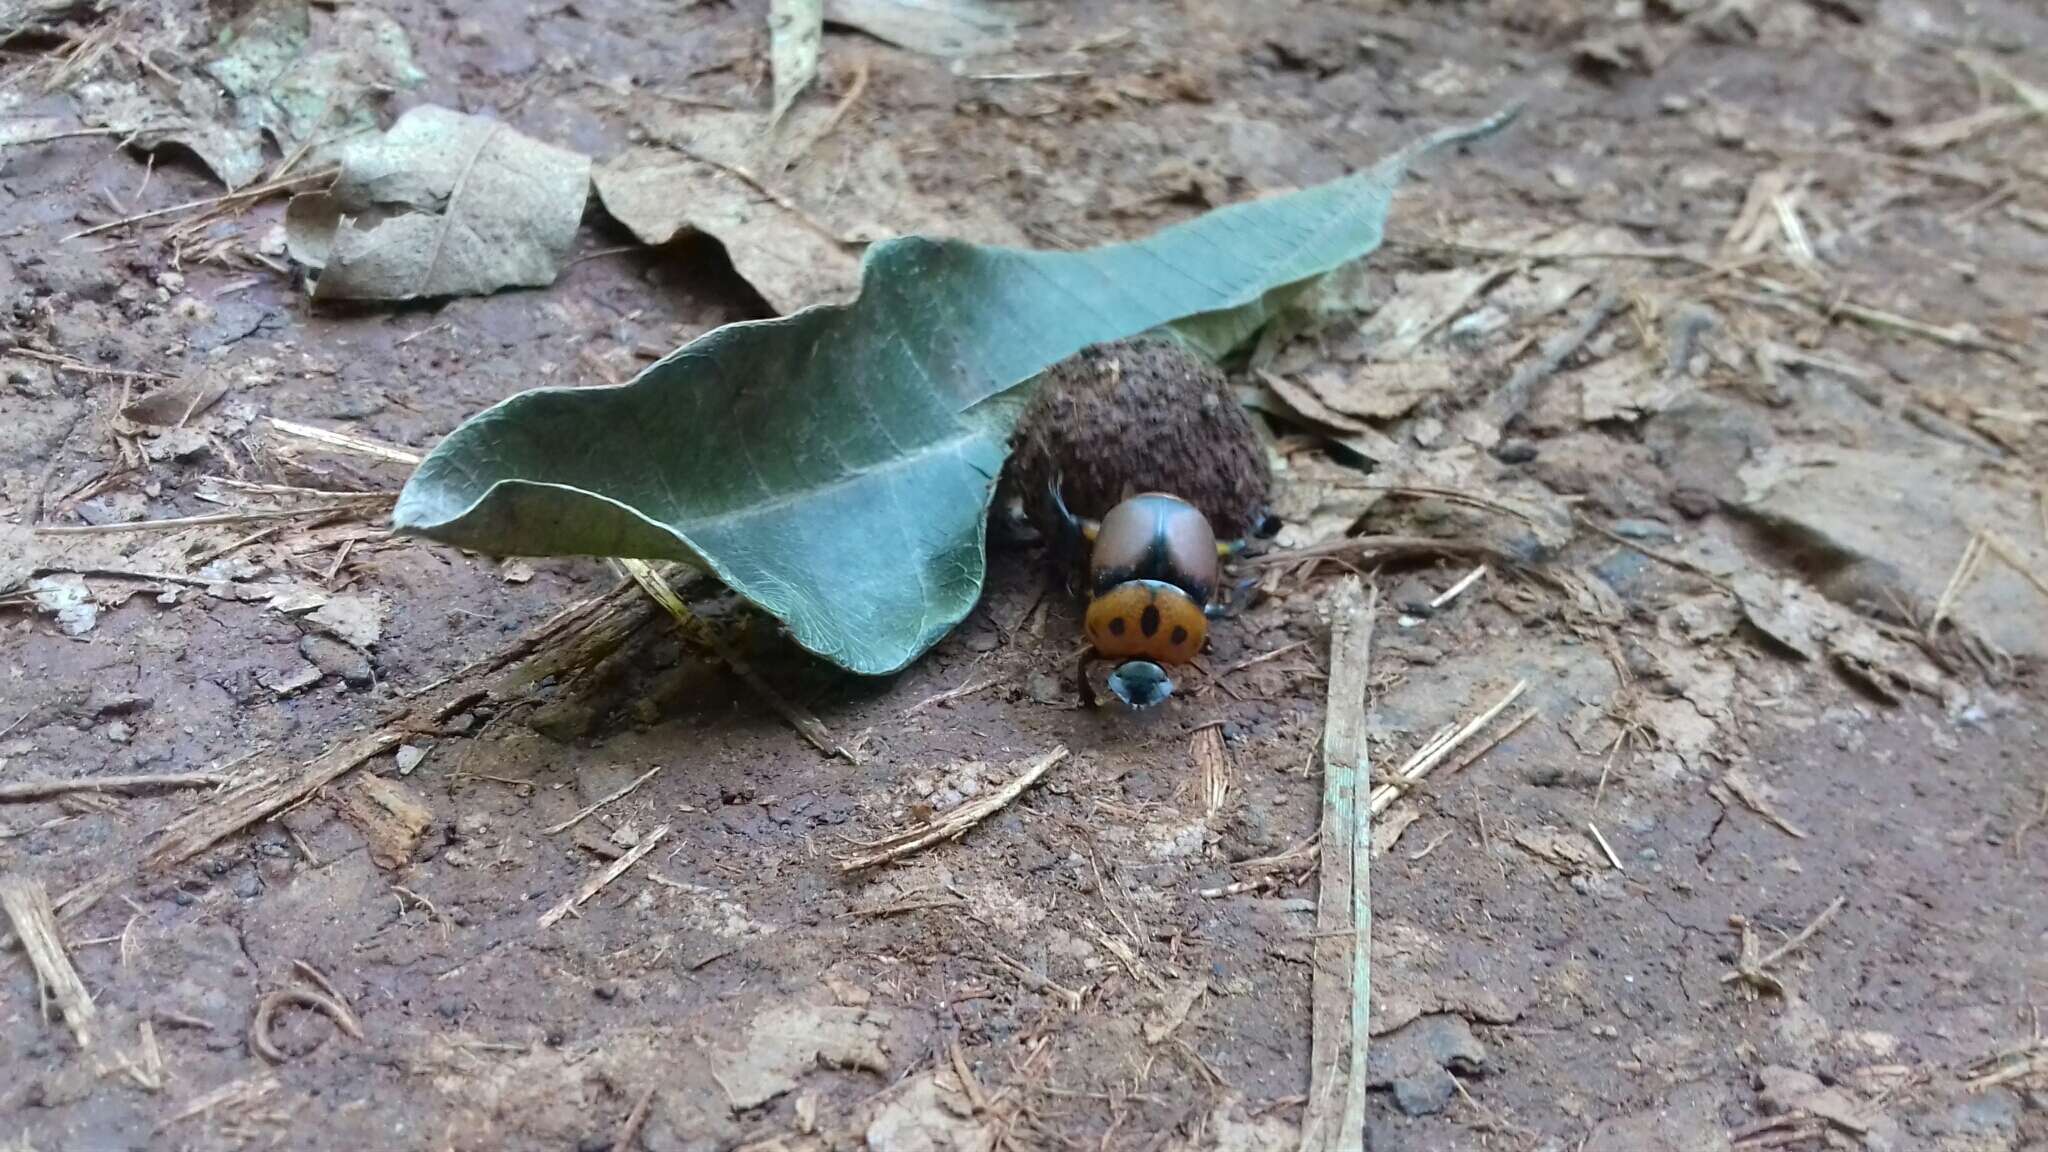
[[597, 883], [27, 904], [1212, 766], [1340, 990], [350, 503], [1037, 983], [964, 1074], [622, 792], [954, 824], [950, 695], [40, 789]]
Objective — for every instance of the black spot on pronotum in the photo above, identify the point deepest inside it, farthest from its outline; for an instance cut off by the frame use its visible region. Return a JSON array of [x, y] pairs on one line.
[[1180, 636], [1116, 625], [1148, 621]]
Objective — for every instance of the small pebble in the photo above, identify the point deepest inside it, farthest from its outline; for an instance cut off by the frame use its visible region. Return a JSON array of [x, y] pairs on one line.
[[1515, 451], [1644, 529]]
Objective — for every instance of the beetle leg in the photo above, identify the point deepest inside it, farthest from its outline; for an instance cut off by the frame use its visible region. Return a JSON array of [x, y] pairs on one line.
[[1074, 535], [1088, 697]]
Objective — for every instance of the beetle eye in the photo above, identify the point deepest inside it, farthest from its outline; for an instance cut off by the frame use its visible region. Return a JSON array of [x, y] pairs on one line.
[[1268, 527]]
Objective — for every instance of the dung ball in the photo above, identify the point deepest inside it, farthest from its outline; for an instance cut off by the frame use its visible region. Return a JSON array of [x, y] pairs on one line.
[[1138, 416]]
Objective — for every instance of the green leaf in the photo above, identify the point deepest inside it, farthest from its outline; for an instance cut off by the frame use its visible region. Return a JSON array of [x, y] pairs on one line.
[[835, 467]]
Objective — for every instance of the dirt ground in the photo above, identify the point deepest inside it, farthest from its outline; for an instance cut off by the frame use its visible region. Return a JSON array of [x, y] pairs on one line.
[[1827, 271]]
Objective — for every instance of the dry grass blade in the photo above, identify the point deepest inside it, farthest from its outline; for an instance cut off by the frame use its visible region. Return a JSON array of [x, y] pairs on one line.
[[1340, 989], [597, 883], [622, 792], [955, 823], [1433, 753], [352, 502], [27, 905], [39, 789]]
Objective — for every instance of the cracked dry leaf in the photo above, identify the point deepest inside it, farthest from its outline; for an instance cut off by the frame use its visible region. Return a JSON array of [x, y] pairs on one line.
[[443, 204], [799, 244], [660, 195], [933, 27], [266, 77]]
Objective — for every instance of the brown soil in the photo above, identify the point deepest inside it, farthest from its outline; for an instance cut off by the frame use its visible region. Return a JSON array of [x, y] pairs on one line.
[[1580, 1003]]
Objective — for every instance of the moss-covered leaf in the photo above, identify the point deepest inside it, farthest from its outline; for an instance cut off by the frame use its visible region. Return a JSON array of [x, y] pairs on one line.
[[835, 467]]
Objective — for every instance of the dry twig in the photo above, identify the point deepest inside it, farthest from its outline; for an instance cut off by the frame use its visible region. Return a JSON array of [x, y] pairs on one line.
[[39, 789], [1755, 971]]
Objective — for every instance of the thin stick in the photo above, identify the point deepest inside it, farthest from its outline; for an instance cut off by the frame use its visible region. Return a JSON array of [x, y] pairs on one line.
[[360, 445], [954, 824], [68, 364], [623, 791], [951, 694], [630, 1130], [1605, 846], [1458, 589], [1955, 336], [1515, 395], [1806, 933], [181, 522], [256, 193], [1966, 567], [66, 134], [27, 904], [1342, 951], [38, 789], [596, 884], [807, 725], [1261, 658]]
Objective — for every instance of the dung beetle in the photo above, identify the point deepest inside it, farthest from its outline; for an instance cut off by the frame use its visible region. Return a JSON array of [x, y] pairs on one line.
[[1153, 567]]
